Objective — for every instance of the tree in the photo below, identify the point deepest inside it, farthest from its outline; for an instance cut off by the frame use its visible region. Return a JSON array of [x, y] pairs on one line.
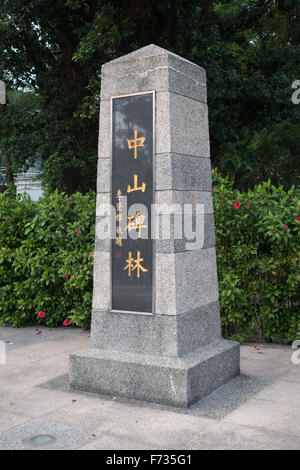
[[19, 133], [250, 49], [38, 40]]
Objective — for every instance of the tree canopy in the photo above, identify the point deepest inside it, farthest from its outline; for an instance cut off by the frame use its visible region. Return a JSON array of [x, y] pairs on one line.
[[250, 49]]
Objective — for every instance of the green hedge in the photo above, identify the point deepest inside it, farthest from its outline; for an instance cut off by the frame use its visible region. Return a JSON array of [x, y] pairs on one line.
[[46, 259], [258, 258]]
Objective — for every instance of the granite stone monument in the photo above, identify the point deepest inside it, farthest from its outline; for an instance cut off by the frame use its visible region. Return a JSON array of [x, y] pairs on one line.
[[2, 92], [155, 332]]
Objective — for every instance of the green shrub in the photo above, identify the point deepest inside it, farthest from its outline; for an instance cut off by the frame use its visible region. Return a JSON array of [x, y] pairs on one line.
[[258, 255], [46, 264], [46, 259]]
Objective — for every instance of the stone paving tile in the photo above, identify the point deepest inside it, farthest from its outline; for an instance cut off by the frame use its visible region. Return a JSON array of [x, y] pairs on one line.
[[34, 403], [85, 412], [160, 427], [146, 435], [9, 419], [268, 414], [64, 437], [115, 441], [229, 397], [272, 352], [265, 369], [259, 409], [22, 337], [231, 436], [293, 375], [31, 375], [215, 406], [35, 352], [281, 392]]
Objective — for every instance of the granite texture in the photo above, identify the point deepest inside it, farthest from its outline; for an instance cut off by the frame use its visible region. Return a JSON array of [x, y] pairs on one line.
[[139, 58], [171, 381], [186, 197], [205, 234], [189, 126], [182, 172], [153, 68], [104, 221], [102, 280], [103, 200], [104, 140], [181, 125], [185, 281], [104, 175], [102, 244], [162, 123], [196, 279], [2, 92], [65, 437], [175, 356], [161, 335]]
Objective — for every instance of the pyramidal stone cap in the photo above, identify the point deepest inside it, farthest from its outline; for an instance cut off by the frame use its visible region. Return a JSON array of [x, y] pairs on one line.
[[153, 67]]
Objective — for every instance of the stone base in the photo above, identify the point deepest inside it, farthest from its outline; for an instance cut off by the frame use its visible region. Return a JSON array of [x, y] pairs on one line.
[[171, 381]]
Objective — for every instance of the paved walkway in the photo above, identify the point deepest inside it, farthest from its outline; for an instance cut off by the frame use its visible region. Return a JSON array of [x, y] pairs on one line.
[[258, 410]]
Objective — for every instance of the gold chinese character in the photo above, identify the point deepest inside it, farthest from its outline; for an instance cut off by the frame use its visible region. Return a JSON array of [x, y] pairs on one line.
[[137, 223], [135, 185], [136, 142], [119, 241], [119, 206], [119, 217], [119, 193], [131, 267]]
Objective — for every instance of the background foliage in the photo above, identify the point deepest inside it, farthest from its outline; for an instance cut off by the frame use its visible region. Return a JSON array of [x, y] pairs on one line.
[[46, 264], [258, 255], [46, 258], [250, 49]]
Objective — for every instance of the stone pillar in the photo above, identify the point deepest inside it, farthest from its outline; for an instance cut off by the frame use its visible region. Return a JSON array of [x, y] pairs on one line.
[[177, 355], [2, 92]]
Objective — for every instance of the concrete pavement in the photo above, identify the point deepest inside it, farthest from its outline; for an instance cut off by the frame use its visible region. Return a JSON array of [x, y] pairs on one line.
[[258, 410]]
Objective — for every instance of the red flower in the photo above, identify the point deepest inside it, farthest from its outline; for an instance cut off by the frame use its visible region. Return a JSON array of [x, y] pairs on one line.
[[265, 199], [294, 260], [77, 230], [70, 200], [298, 218], [213, 190], [237, 205], [8, 219], [65, 323], [248, 204], [67, 275], [285, 226], [41, 314]]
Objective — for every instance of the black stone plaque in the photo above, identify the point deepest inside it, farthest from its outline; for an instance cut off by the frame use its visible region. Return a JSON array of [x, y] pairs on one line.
[[132, 176]]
